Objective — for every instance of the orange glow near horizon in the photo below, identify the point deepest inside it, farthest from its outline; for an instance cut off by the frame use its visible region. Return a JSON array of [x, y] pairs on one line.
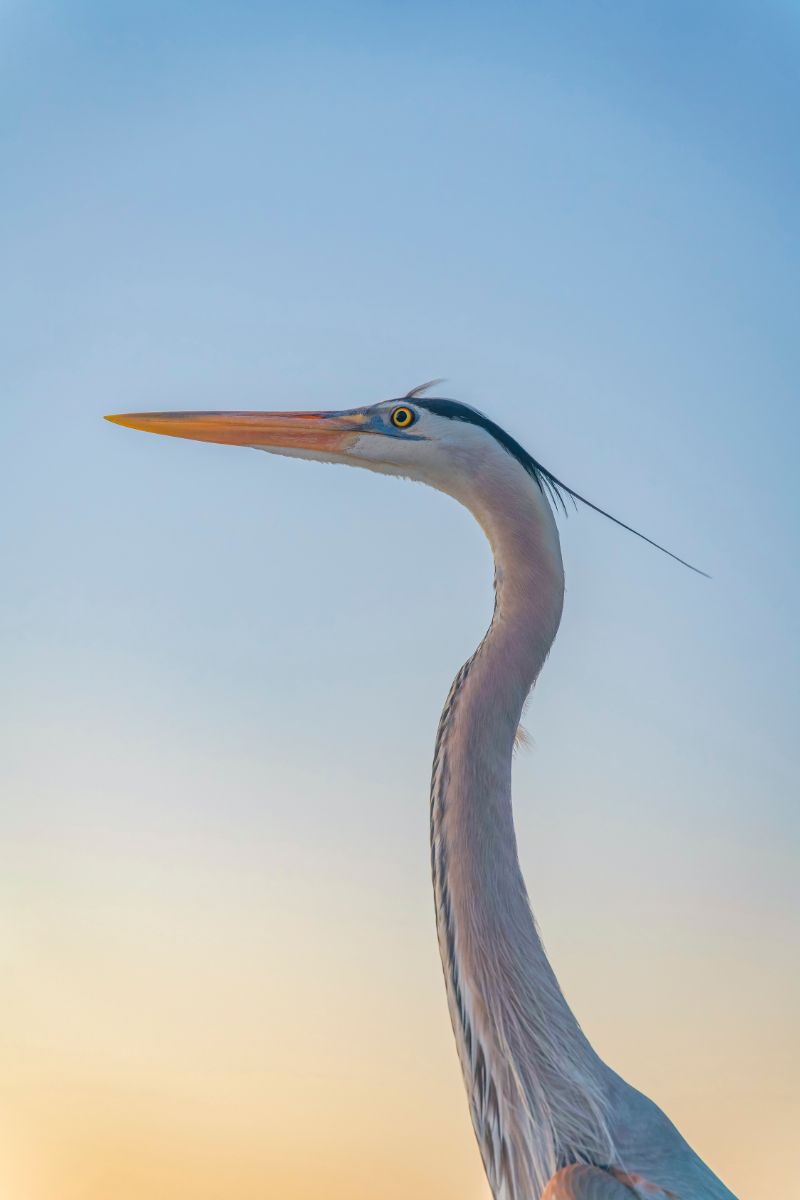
[[201, 1028]]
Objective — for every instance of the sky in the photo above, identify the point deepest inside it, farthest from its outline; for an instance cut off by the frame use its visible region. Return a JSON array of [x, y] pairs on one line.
[[222, 672]]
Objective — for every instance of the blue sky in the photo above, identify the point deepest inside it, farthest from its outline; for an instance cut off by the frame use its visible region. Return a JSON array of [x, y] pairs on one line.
[[584, 217]]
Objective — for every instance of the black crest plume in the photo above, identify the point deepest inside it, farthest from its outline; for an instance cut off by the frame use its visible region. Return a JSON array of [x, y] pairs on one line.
[[547, 481]]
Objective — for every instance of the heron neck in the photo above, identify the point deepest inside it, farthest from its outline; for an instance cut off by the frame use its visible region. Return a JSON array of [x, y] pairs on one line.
[[531, 1075]]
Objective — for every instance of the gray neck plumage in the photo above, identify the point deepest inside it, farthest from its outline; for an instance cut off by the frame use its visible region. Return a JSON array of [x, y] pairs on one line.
[[535, 1085]]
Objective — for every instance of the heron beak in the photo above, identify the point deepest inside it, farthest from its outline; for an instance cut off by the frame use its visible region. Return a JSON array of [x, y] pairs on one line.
[[323, 432]]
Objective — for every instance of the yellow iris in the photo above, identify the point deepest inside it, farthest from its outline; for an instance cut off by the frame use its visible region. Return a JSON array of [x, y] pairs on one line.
[[402, 417]]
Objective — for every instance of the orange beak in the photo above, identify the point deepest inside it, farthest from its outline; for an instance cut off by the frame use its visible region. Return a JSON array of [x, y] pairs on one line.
[[327, 433]]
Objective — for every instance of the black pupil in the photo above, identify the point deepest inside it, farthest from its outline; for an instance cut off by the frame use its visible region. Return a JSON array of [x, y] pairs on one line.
[[403, 416]]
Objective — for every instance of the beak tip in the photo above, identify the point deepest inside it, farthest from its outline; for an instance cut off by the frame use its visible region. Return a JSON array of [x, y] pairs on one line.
[[126, 420]]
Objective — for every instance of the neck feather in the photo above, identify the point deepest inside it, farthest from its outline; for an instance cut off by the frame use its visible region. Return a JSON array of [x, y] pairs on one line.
[[535, 1085]]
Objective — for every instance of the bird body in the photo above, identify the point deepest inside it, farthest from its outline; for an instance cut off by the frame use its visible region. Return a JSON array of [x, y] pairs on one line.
[[552, 1121]]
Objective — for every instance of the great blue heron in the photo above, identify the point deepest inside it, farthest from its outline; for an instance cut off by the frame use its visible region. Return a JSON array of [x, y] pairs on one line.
[[552, 1121]]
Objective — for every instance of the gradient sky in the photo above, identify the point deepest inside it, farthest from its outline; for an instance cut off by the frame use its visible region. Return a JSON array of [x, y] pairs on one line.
[[221, 672]]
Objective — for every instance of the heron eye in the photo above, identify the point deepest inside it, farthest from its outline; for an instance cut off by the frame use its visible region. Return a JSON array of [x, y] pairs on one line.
[[401, 418]]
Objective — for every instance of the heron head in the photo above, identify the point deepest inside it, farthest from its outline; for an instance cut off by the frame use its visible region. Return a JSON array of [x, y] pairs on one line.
[[447, 445], [439, 442]]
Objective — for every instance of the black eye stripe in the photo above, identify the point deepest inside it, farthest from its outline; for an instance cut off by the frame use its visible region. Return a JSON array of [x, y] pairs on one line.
[[454, 411]]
